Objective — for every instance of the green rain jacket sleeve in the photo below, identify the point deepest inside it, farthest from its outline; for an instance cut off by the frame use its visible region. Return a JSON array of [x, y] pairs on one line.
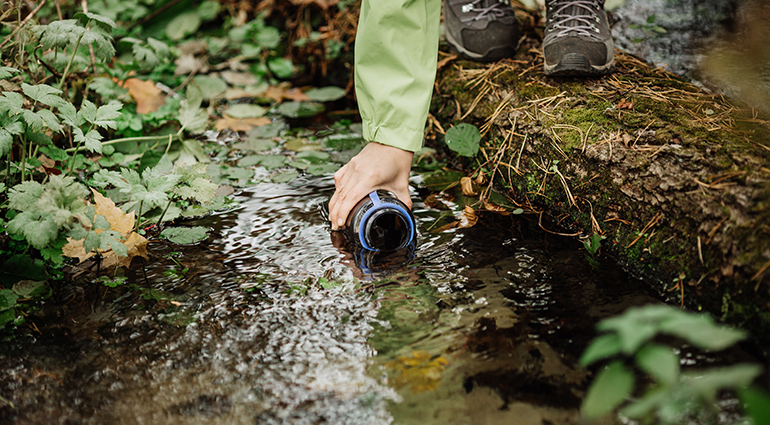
[[396, 51]]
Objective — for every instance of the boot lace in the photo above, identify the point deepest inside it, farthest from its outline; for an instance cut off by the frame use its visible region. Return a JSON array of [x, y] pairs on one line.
[[577, 18], [484, 9]]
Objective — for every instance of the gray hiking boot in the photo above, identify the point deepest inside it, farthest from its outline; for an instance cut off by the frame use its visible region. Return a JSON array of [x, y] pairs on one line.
[[577, 41], [481, 30]]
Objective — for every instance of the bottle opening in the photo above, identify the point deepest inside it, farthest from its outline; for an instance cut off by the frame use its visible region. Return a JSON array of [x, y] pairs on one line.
[[387, 229]]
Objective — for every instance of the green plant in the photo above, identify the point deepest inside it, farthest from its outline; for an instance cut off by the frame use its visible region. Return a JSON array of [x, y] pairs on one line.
[[463, 139], [673, 395], [592, 244]]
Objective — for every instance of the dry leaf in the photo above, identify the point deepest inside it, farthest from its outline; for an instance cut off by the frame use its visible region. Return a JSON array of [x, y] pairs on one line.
[[489, 206], [148, 97], [467, 184], [468, 217], [120, 222], [241, 124], [239, 78], [624, 104], [284, 91], [186, 64]]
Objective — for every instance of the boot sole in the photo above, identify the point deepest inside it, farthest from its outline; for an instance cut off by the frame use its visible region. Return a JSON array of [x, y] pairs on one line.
[[577, 65]]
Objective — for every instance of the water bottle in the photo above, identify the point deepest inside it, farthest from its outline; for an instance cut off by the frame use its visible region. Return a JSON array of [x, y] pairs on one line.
[[380, 222]]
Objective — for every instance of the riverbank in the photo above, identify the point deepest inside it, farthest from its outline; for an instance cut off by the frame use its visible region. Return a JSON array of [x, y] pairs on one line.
[[673, 178]]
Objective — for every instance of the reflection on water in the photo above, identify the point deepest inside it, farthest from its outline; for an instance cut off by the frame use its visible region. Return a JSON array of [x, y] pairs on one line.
[[276, 324]]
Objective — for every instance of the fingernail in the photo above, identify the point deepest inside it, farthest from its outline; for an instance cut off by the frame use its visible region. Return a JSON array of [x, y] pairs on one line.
[[340, 222]]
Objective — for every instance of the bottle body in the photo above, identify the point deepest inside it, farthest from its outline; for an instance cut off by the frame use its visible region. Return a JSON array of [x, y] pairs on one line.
[[380, 222]]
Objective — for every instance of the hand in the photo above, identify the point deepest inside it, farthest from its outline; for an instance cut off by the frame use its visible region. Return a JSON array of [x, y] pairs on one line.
[[377, 166]]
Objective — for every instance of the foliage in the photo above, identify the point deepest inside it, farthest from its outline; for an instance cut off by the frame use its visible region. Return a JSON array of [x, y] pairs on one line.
[[674, 395], [463, 139]]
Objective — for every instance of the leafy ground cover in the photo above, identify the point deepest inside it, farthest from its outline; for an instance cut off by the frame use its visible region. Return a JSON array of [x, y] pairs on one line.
[[118, 119]]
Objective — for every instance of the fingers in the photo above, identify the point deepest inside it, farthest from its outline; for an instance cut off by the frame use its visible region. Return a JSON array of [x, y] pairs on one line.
[[376, 167]]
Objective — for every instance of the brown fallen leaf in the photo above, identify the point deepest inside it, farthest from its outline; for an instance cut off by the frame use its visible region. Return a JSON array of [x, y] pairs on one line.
[[120, 222], [284, 91], [240, 124], [467, 184], [490, 206], [147, 95], [468, 218]]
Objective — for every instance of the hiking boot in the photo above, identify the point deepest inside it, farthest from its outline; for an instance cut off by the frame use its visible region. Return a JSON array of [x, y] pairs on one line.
[[577, 39], [481, 30]]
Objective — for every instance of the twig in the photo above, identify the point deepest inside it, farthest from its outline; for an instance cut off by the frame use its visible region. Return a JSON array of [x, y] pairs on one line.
[[24, 22], [761, 270], [652, 222]]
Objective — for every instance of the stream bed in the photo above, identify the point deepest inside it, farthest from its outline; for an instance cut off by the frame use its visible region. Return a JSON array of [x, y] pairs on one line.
[[274, 323]]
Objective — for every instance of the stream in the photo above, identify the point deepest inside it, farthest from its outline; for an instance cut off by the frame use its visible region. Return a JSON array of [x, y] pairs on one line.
[[485, 325], [274, 321]]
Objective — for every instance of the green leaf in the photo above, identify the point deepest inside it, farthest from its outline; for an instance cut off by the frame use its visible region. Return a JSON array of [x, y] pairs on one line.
[[7, 72], [272, 161], [326, 94], [463, 139], [757, 405], [284, 176], [7, 299], [659, 362], [708, 383], [183, 25], [701, 331], [602, 347], [86, 17], [6, 142], [268, 37], [255, 145], [245, 110], [191, 153], [321, 169], [185, 235], [6, 317], [610, 388], [30, 289], [70, 116], [107, 114], [91, 140], [11, 103], [645, 405], [44, 94], [49, 119], [211, 87], [192, 118], [300, 109], [208, 10], [314, 157], [282, 68]]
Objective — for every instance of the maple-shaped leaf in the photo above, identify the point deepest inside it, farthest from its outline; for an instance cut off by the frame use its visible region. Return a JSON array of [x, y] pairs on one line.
[[44, 94], [33, 120], [118, 245], [87, 111], [107, 114], [69, 115], [6, 142], [47, 209], [50, 120], [91, 140], [192, 118], [59, 34], [11, 103], [86, 18], [7, 72]]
